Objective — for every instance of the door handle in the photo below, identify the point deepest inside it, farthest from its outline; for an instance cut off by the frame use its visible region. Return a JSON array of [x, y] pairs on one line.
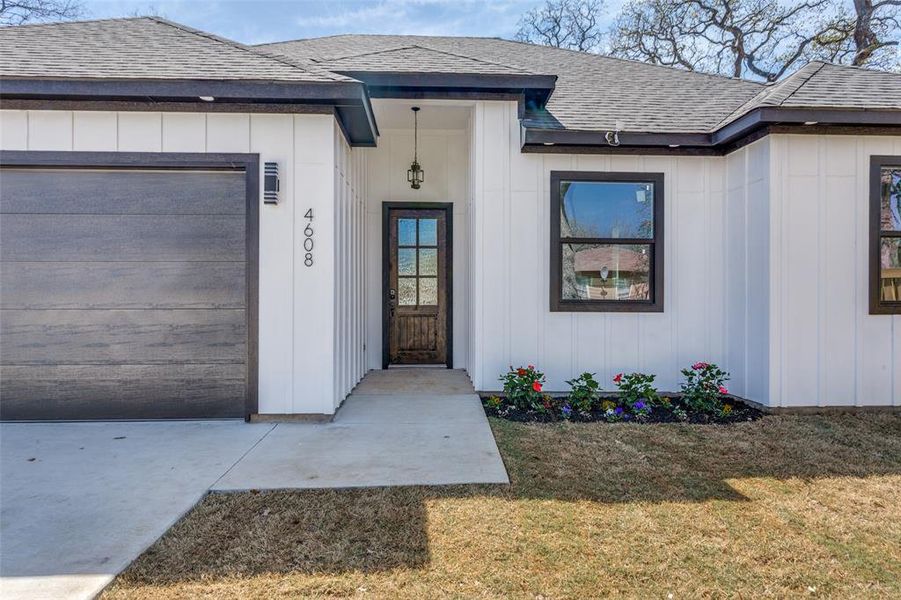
[[392, 294]]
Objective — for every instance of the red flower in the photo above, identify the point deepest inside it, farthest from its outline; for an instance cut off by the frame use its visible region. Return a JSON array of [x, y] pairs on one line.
[[536, 386], [618, 378], [520, 371], [723, 390]]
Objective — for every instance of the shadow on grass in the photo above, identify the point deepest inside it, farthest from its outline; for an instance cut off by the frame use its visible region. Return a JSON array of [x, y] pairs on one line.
[[380, 529]]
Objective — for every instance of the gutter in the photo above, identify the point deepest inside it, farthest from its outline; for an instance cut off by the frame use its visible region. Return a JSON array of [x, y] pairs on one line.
[[721, 141], [350, 99]]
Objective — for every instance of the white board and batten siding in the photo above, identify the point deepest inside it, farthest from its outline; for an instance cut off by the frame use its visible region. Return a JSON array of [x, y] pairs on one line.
[[350, 266], [510, 249], [297, 314], [766, 274], [825, 347]]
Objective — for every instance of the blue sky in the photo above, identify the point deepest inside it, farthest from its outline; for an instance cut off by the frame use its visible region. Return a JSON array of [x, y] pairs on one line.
[[259, 21]]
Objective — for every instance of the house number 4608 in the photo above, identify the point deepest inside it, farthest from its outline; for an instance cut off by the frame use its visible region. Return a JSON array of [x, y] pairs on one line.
[[308, 238]]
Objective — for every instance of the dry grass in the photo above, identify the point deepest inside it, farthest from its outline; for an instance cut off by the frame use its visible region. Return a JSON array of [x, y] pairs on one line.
[[785, 506]]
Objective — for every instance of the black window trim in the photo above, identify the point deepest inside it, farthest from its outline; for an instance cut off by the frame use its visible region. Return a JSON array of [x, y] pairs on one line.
[[878, 306], [557, 303]]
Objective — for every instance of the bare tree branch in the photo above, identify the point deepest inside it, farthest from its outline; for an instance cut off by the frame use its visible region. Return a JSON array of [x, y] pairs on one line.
[[572, 24], [19, 12], [759, 38]]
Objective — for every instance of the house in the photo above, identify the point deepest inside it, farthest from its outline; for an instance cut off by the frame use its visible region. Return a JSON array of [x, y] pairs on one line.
[[192, 227]]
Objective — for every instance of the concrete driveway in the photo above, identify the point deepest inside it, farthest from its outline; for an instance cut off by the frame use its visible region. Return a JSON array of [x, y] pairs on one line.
[[80, 501]]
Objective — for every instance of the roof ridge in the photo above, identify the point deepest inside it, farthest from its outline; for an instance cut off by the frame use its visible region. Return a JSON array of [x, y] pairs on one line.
[[480, 60], [368, 53], [430, 49], [804, 79], [75, 22], [237, 45], [383, 35]]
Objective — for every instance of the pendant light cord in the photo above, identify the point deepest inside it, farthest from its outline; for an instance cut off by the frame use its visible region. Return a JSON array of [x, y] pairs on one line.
[[415, 136]]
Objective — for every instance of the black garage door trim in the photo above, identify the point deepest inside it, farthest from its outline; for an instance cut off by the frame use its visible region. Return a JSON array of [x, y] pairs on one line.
[[248, 163]]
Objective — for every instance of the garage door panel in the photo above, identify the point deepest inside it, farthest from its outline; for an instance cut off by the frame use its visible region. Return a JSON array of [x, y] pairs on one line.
[[123, 391], [121, 285], [121, 192], [125, 285], [122, 336], [122, 237]]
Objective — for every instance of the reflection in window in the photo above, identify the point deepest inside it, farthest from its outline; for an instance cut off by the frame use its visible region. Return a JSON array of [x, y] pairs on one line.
[[596, 209], [428, 232], [406, 232], [606, 242], [890, 234], [606, 272]]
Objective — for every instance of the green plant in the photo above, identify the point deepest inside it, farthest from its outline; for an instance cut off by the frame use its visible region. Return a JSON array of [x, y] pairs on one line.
[[522, 387], [493, 402], [704, 387], [584, 392], [636, 387]]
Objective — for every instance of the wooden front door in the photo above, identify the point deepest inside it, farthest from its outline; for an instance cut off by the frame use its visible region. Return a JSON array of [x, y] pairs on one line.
[[417, 292]]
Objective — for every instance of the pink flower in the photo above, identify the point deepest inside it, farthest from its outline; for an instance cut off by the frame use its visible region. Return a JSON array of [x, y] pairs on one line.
[[723, 390], [532, 367], [699, 365], [618, 378]]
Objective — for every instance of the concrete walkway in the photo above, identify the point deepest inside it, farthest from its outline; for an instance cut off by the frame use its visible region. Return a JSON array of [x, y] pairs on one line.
[[80, 501], [398, 427]]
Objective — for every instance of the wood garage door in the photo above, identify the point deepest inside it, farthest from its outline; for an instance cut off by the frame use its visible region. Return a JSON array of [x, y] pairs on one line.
[[124, 285]]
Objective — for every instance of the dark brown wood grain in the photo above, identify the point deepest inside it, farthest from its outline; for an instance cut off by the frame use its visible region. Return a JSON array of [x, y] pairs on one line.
[[122, 336], [122, 391], [106, 285], [108, 192], [128, 285], [418, 334], [67, 237]]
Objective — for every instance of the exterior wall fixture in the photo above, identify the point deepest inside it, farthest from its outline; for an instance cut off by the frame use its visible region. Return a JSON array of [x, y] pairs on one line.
[[415, 174], [270, 183]]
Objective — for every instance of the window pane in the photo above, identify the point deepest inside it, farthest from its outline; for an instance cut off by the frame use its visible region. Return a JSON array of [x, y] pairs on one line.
[[406, 291], [428, 291], [406, 232], [890, 262], [406, 261], [891, 199], [606, 209], [428, 232], [428, 261], [606, 271]]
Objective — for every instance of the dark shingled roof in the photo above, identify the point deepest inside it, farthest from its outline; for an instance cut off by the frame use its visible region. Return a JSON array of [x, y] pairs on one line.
[[824, 85], [593, 92], [141, 48], [417, 59]]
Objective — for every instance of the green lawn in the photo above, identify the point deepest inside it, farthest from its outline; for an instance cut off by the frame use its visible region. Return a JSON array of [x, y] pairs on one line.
[[784, 506]]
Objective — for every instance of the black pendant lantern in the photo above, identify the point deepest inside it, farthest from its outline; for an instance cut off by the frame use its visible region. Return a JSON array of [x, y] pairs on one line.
[[415, 174]]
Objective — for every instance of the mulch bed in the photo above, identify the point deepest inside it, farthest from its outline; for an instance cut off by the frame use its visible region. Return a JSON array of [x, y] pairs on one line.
[[741, 413]]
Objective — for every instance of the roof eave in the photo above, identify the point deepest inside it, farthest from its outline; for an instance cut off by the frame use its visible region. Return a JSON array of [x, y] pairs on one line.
[[535, 88], [533, 139], [350, 99]]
